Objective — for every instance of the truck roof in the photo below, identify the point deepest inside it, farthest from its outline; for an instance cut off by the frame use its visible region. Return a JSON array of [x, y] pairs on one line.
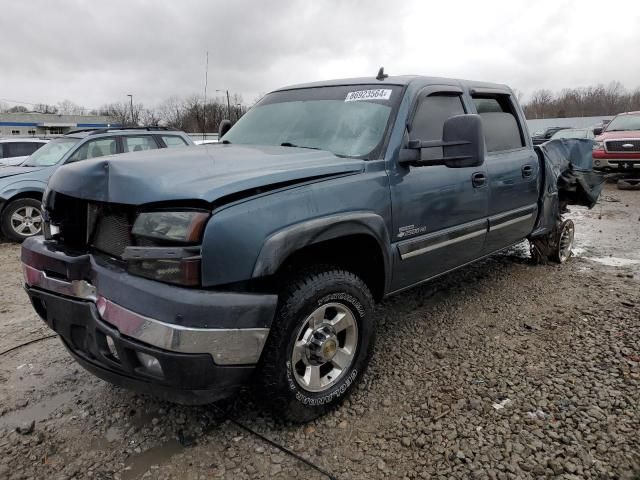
[[400, 80]]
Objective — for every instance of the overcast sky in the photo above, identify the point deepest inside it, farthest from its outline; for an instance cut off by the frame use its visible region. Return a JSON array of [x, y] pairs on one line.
[[98, 52]]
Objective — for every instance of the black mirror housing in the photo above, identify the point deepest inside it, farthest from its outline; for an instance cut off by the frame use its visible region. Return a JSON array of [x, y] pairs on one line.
[[462, 145], [463, 140], [225, 126], [598, 131]]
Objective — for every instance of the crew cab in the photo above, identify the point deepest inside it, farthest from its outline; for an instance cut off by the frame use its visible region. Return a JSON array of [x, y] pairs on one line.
[[617, 147], [257, 261]]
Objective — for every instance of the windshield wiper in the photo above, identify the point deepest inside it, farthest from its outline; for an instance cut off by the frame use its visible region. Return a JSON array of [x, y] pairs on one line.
[[226, 142], [289, 144]]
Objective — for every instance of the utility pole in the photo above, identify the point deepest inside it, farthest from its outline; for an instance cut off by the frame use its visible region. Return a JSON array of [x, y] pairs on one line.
[[204, 107], [228, 103], [131, 98]]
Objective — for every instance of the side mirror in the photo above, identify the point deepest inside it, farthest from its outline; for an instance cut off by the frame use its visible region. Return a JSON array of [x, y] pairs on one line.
[[225, 126], [462, 145], [598, 131]]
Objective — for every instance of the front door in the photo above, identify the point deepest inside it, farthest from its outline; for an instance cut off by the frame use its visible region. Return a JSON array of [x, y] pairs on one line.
[[439, 213]]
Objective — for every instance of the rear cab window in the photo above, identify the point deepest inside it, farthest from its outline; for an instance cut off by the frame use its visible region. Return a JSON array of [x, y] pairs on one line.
[[502, 128]]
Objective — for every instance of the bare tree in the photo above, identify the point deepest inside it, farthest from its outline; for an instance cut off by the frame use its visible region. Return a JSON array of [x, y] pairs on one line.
[[18, 109], [45, 108], [122, 114], [67, 107]]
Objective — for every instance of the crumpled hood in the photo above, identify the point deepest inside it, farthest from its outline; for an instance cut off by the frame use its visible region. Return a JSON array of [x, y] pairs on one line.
[[11, 171], [206, 172]]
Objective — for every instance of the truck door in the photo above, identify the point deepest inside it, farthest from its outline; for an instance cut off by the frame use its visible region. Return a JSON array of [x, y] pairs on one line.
[[439, 213], [512, 167]]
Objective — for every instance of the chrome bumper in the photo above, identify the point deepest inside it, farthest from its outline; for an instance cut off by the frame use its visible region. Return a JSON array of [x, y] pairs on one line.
[[615, 163], [226, 346]]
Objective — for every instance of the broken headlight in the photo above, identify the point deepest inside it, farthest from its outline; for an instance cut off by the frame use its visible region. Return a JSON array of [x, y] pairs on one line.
[[184, 227], [163, 261]]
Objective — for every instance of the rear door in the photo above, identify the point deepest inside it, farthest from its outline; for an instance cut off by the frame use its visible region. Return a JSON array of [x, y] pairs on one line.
[[512, 168], [439, 213]]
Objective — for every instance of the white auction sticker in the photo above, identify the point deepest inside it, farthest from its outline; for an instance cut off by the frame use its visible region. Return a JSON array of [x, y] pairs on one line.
[[378, 94]]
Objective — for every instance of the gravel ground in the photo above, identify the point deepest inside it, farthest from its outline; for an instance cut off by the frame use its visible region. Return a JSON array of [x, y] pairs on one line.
[[500, 370]]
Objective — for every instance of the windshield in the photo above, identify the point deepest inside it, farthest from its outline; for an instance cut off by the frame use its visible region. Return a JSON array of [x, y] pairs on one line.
[[624, 123], [51, 153], [345, 120]]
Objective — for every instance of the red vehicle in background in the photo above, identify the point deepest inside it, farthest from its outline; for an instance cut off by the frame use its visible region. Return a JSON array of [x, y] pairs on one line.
[[617, 147]]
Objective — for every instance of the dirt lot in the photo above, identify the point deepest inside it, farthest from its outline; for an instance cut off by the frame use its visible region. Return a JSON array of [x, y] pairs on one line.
[[500, 370]]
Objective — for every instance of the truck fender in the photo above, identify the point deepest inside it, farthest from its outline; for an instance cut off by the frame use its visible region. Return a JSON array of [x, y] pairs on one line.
[[281, 244]]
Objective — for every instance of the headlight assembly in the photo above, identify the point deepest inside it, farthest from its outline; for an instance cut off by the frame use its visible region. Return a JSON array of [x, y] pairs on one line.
[[184, 227], [175, 254]]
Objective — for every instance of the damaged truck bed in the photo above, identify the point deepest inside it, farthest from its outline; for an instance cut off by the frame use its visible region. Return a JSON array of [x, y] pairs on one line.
[[192, 272]]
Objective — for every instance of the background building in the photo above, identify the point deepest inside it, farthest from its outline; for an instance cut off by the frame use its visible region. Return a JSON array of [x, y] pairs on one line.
[[47, 124]]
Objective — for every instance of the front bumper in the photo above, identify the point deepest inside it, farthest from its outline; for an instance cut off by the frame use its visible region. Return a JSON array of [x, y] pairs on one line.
[[616, 164], [203, 344]]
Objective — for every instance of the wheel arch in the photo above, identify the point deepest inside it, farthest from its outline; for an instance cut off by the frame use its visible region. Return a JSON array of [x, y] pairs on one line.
[[19, 194], [358, 241]]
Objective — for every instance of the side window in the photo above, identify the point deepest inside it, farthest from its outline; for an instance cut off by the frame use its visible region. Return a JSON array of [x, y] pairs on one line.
[[428, 121], [95, 148], [2, 150], [21, 149], [502, 130], [172, 141], [137, 144]]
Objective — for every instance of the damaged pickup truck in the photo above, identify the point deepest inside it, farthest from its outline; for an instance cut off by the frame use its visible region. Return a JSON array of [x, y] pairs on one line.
[[191, 272]]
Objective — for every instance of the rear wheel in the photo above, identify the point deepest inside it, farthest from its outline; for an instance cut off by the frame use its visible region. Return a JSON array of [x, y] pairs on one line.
[[563, 242], [22, 219], [319, 345]]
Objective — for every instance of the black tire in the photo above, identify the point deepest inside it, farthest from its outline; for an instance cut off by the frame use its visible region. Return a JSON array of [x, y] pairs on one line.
[[627, 184], [9, 226], [563, 242], [304, 294]]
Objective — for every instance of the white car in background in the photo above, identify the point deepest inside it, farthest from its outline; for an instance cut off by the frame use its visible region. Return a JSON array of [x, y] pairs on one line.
[[14, 151]]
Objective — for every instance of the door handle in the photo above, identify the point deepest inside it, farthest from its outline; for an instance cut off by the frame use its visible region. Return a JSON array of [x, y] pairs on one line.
[[527, 171], [478, 179]]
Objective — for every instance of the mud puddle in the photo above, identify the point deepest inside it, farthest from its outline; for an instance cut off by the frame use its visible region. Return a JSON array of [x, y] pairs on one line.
[[137, 465], [38, 411]]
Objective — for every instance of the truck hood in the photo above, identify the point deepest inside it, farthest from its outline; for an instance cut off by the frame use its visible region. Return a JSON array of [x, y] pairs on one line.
[[207, 172], [11, 171], [615, 135]]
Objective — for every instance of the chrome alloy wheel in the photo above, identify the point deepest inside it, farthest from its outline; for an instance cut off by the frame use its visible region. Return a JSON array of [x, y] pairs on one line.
[[325, 347], [565, 243], [26, 221]]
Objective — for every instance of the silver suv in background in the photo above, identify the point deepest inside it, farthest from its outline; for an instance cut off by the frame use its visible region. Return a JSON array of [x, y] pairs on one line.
[[14, 151], [21, 187]]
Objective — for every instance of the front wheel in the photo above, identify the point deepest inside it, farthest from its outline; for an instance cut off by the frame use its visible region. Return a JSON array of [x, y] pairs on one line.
[[319, 345], [22, 219]]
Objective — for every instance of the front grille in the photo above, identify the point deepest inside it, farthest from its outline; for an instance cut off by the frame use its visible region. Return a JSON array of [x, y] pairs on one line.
[[112, 234], [622, 146]]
